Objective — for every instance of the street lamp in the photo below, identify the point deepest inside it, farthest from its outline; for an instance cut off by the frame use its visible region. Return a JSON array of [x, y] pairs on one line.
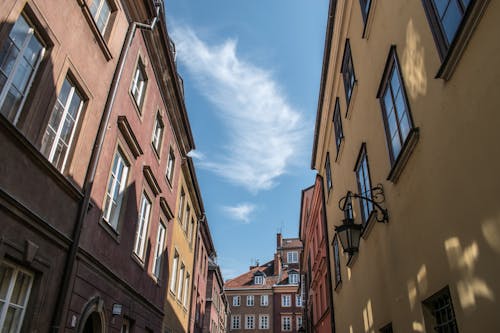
[[349, 232], [301, 329]]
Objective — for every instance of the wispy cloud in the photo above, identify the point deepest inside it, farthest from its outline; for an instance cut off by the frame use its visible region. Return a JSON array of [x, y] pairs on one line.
[[197, 155], [265, 133], [240, 212]]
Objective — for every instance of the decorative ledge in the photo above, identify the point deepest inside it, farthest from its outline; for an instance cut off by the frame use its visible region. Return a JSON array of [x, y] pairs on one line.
[[166, 208], [129, 136], [404, 155], [150, 178]]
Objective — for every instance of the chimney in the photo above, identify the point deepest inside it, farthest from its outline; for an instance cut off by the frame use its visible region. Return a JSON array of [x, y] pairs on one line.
[[277, 264], [278, 240]]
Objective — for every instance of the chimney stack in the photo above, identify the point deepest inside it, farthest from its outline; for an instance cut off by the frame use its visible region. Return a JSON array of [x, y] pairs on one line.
[[278, 240]]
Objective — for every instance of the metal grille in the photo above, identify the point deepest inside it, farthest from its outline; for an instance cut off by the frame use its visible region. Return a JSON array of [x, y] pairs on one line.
[[442, 310]]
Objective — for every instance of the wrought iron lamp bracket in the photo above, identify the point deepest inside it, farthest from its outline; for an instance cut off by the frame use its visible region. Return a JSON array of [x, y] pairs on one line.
[[377, 198]]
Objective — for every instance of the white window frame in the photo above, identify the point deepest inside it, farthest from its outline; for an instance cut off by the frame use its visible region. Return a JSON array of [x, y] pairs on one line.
[[6, 302], [15, 67], [181, 281], [236, 300], [160, 247], [138, 87], [286, 323], [110, 215], [185, 296], [182, 199], [292, 257], [235, 322], [157, 137], [293, 278], [250, 300], [264, 300], [250, 322], [286, 300], [186, 216], [298, 300], [173, 272], [264, 322], [97, 11], [170, 166], [142, 226], [298, 320], [58, 128], [259, 279]]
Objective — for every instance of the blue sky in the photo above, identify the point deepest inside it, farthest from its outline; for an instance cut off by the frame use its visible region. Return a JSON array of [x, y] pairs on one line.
[[251, 73]]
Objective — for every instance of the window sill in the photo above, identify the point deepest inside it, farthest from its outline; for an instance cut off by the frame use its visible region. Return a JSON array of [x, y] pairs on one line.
[[404, 155], [462, 38], [137, 107], [156, 153], [367, 228], [338, 286], [97, 34], [369, 20], [110, 230], [138, 260], [350, 102]]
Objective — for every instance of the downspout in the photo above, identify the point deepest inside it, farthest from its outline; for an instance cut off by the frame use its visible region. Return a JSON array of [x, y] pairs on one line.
[[195, 264], [91, 170], [328, 270]]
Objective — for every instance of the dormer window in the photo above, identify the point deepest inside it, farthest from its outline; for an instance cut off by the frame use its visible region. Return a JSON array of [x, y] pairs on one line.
[[293, 278], [258, 279]]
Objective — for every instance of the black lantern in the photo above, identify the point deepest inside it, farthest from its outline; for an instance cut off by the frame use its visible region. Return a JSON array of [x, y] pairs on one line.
[[349, 234], [301, 330]]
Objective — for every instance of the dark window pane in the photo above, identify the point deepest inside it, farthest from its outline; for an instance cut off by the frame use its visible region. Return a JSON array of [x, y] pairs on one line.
[[451, 20]]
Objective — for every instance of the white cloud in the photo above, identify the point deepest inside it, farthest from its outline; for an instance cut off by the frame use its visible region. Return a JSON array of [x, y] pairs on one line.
[[197, 155], [264, 132], [240, 212]]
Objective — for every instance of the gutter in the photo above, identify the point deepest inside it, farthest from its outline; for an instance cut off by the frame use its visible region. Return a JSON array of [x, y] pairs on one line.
[[324, 74], [91, 170]]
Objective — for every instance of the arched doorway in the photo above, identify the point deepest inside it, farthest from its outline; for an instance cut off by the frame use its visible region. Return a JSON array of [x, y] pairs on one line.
[[93, 324]]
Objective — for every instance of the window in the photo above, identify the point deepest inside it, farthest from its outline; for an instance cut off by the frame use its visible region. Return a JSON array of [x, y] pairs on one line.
[[170, 166], [101, 12], [157, 135], [190, 231], [438, 313], [249, 322], [182, 198], [235, 321], [263, 322], [336, 256], [181, 279], [365, 9], [186, 218], [298, 300], [286, 300], [364, 184], [445, 17], [60, 131], [125, 326], [386, 329], [328, 172], [258, 279], [250, 300], [139, 83], [337, 124], [264, 300], [142, 226], [114, 192], [293, 278], [348, 72], [397, 118], [173, 272], [160, 247], [292, 257], [15, 289], [299, 322], [236, 300], [185, 298], [20, 57], [286, 323]]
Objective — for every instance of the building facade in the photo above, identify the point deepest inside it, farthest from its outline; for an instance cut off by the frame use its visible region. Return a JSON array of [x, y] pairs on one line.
[[216, 311], [267, 297], [94, 124], [315, 264], [405, 127]]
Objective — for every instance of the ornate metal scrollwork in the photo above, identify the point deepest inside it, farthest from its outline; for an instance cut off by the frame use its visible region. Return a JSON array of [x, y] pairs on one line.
[[377, 198]]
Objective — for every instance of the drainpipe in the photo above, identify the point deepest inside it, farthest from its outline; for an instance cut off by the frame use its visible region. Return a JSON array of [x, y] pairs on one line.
[[91, 170]]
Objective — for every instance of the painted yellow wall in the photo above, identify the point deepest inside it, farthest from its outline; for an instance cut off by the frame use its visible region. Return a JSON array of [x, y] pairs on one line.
[[444, 227]]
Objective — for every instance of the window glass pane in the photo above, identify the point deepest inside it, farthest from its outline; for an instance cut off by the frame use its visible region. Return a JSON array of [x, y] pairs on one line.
[[441, 6], [451, 20], [32, 51], [20, 291], [5, 276], [20, 31], [396, 145]]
